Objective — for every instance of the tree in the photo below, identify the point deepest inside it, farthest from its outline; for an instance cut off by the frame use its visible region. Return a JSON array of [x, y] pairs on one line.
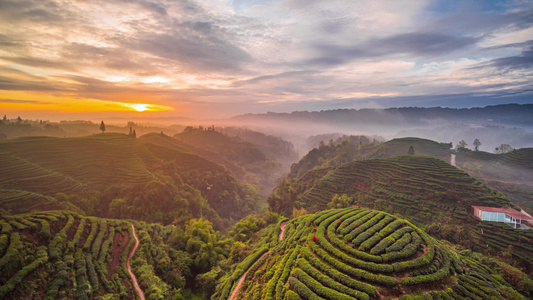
[[503, 148], [477, 143], [340, 201], [102, 127], [411, 150], [5, 118], [134, 135], [461, 146]]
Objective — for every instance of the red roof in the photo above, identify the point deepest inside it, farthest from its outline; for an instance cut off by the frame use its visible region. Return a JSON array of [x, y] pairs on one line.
[[508, 211]]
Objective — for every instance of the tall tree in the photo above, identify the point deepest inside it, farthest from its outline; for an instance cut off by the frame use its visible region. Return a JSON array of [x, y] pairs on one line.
[[102, 127], [411, 150], [477, 143]]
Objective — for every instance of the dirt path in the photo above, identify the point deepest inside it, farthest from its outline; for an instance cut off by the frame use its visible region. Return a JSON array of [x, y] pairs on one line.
[[452, 160], [282, 226], [238, 287], [139, 291]]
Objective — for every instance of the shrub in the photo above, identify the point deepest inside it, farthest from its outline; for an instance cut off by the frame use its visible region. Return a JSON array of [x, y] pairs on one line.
[[76, 239], [15, 280], [44, 233], [302, 290], [356, 273], [90, 238], [318, 288], [329, 282], [93, 279], [391, 239], [400, 244], [292, 296], [362, 218], [271, 286], [336, 275], [286, 272], [349, 250], [370, 232], [12, 258], [98, 241], [347, 258], [58, 280]]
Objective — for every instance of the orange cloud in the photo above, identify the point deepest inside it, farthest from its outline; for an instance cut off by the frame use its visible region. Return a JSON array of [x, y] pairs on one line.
[[21, 100]]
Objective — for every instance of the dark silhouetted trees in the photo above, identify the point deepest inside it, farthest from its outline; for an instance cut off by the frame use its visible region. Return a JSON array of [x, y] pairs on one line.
[[102, 127], [411, 151], [503, 148], [477, 143]]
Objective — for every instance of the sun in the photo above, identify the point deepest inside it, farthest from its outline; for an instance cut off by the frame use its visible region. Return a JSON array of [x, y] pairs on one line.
[[142, 107], [139, 107]]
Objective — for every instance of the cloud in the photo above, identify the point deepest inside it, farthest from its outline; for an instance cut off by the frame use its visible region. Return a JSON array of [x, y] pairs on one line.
[[237, 54], [26, 101], [40, 63], [198, 45], [522, 62], [412, 45]]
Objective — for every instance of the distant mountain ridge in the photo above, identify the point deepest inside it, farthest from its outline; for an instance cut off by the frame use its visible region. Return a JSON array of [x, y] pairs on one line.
[[504, 113]]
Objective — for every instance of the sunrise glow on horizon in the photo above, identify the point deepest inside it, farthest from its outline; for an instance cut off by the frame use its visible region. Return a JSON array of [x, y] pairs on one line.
[[210, 59]]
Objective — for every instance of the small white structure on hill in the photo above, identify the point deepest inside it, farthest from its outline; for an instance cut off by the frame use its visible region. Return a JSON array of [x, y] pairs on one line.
[[509, 216]]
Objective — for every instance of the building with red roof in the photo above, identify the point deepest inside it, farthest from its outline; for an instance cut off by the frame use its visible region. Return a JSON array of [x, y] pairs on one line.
[[509, 216]]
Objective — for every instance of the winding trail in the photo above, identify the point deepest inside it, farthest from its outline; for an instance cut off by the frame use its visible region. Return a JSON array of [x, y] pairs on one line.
[[139, 291], [238, 287]]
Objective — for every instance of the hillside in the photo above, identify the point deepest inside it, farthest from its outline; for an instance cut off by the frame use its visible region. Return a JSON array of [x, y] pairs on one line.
[[257, 167], [510, 173], [357, 253], [63, 255], [349, 148], [425, 190], [343, 149], [272, 146], [151, 178]]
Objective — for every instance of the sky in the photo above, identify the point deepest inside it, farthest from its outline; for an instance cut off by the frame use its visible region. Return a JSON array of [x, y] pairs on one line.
[[218, 58]]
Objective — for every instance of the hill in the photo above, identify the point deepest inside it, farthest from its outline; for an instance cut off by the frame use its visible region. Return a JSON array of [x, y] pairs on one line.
[[152, 178], [349, 148], [357, 253], [510, 173], [256, 165], [63, 255], [272, 146], [425, 190]]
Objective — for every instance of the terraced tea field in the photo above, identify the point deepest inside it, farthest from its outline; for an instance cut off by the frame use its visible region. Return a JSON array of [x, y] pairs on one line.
[[400, 146], [420, 188], [96, 169], [358, 253], [60, 254], [50, 165], [510, 173]]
